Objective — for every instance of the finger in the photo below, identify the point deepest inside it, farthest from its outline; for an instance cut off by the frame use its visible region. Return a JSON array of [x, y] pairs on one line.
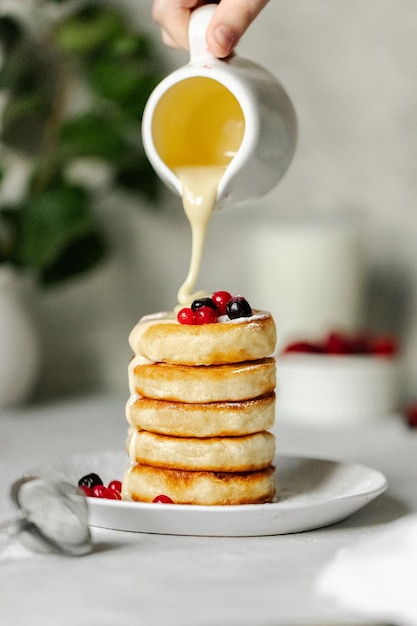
[[230, 20], [167, 39], [173, 17]]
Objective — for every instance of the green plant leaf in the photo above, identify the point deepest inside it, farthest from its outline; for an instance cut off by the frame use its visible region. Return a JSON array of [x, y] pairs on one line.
[[114, 80], [8, 229], [13, 66], [49, 222], [138, 176], [29, 75], [94, 49], [131, 44], [88, 30], [80, 255], [128, 84], [91, 135], [11, 33], [24, 121]]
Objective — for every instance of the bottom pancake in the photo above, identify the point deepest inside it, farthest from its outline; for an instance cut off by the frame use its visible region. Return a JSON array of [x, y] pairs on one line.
[[143, 483]]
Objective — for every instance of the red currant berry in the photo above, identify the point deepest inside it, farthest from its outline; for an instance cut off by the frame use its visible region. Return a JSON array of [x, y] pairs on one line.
[[186, 316], [163, 499], [86, 490], [220, 299], [111, 494], [205, 315], [98, 491], [115, 485], [337, 343], [411, 415], [359, 344], [302, 346], [383, 345]]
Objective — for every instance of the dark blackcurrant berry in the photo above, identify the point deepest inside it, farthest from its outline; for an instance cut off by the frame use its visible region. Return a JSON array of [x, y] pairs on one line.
[[90, 481], [197, 304], [238, 307]]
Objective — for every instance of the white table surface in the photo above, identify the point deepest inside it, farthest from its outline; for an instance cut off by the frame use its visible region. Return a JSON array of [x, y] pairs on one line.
[[135, 579]]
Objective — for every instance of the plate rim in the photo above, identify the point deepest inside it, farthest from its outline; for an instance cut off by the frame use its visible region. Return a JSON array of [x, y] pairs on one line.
[[273, 518], [371, 492]]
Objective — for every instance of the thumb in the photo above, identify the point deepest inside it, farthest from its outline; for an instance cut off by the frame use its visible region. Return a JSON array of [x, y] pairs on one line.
[[230, 20]]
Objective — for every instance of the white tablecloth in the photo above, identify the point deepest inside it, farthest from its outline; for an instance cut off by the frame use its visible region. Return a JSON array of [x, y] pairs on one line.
[[133, 579]]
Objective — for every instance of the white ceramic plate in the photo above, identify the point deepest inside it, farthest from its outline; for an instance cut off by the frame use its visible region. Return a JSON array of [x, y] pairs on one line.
[[312, 493]]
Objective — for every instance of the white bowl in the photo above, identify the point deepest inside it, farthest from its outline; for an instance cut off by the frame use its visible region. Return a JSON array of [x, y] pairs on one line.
[[335, 389]]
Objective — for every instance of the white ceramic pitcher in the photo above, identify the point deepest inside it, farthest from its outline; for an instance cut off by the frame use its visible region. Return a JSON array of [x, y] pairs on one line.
[[269, 122]]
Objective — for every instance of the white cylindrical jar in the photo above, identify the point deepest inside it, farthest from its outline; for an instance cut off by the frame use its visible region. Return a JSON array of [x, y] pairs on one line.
[[310, 274]]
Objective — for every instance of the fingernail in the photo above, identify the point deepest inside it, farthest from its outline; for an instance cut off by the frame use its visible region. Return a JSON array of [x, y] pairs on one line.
[[225, 39]]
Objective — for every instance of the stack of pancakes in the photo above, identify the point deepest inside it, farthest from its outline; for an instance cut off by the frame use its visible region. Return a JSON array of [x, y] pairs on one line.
[[202, 401]]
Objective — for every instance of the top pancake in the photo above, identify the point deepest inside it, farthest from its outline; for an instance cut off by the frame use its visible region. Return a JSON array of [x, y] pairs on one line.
[[161, 339]]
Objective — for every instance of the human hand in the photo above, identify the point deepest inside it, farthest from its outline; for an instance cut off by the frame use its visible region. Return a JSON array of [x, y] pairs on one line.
[[230, 20]]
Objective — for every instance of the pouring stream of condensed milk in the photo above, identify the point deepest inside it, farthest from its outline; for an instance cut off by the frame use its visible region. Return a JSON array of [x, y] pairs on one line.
[[199, 196], [216, 131], [197, 147]]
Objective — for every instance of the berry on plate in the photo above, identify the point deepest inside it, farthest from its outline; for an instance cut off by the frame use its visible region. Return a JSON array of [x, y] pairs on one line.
[[93, 486], [98, 491], [163, 499], [115, 485], [112, 494], [90, 480]]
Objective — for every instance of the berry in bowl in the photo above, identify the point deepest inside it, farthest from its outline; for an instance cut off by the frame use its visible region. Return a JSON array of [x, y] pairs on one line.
[[342, 379]]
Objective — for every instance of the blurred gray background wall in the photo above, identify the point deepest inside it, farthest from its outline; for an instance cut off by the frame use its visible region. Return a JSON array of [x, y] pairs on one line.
[[350, 69]]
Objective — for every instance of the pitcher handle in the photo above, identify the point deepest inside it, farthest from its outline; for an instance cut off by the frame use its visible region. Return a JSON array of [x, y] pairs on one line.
[[197, 29]]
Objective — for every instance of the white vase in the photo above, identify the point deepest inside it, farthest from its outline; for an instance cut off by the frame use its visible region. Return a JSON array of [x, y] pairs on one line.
[[19, 346]]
